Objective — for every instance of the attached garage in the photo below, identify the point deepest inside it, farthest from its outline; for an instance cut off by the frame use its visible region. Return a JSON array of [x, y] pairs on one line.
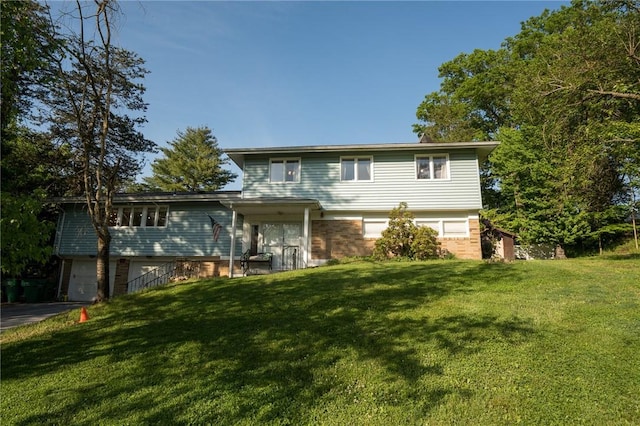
[[82, 280]]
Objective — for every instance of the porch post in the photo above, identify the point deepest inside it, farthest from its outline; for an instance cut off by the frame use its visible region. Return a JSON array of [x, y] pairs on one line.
[[305, 237], [232, 251]]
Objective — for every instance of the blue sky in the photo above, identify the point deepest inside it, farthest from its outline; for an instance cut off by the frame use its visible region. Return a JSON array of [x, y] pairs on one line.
[[303, 73]]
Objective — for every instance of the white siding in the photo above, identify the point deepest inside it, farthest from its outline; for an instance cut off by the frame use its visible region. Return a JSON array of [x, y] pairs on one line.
[[394, 181]]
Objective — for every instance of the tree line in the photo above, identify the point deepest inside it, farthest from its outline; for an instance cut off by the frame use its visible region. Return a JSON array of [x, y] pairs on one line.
[[72, 112], [563, 98]]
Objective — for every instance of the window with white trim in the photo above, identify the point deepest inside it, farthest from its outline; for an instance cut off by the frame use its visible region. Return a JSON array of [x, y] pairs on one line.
[[433, 224], [356, 169], [284, 170], [432, 167], [139, 216], [372, 228], [447, 228], [455, 229]]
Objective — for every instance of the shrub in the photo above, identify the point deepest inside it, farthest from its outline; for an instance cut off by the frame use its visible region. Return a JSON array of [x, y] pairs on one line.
[[403, 239], [425, 244]]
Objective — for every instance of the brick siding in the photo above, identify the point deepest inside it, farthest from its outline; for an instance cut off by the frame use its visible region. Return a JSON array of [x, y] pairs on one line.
[[465, 248], [334, 239]]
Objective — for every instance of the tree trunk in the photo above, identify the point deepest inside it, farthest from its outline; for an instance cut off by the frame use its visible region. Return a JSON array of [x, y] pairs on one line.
[[560, 254], [635, 229], [600, 243], [102, 267]]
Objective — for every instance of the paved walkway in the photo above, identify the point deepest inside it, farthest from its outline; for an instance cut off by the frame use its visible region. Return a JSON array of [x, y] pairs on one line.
[[15, 314]]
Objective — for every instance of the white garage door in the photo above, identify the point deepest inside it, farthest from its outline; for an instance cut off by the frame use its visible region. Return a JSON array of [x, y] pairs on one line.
[[82, 282]]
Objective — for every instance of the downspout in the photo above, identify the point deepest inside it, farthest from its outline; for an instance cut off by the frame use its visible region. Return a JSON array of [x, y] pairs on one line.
[[232, 251]]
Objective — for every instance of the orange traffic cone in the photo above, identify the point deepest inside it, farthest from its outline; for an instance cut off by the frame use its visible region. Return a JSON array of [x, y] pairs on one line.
[[83, 314]]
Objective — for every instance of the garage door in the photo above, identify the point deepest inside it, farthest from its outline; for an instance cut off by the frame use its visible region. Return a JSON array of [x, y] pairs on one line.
[[82, 282]]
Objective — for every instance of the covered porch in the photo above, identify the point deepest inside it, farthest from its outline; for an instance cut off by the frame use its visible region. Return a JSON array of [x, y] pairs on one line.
[[280, 227]]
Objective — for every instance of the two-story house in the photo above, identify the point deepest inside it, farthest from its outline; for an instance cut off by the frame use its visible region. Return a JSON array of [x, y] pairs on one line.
[[304, 205], [309, 204]]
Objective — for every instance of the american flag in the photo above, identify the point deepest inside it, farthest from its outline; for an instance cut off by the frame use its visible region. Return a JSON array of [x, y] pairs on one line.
[[215, 228]]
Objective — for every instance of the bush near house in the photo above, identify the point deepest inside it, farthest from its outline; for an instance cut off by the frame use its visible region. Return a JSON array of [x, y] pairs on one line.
[[403, 239]]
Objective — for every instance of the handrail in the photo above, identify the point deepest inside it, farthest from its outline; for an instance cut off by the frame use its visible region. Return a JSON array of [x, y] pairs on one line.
[[158, 276], [164, 274]]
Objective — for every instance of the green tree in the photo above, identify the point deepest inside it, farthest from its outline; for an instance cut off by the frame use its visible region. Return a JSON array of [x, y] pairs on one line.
[[580, 86], [192, 162], [563, 97], [473, 100], [95, 105], [404, 239], [25, 236], [32, 167], [27, 44]]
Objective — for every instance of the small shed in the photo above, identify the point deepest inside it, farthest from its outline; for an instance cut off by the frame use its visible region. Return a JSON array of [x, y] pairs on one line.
[[505, 246], [497, 242]]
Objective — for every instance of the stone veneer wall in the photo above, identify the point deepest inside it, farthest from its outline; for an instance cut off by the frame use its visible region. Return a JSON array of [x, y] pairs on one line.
[[333, 239]]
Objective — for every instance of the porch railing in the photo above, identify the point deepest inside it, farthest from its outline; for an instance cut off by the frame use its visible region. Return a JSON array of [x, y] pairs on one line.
[[290, 257], [163, 274]]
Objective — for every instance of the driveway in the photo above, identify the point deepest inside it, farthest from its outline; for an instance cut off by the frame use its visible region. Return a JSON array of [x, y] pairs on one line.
[[15, 314]]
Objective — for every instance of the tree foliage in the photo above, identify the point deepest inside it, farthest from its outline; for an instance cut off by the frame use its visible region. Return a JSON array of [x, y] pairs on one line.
[[32, 167], [96, 104], [27, 45], [563, 97], [25, 236], [404, 239], [473, 101], [192, 162]]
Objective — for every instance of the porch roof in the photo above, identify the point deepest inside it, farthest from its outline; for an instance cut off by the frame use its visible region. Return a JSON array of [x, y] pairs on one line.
[[272, 206]]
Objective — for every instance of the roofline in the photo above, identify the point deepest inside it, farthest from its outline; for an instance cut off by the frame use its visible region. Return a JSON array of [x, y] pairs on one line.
[[159, 197], [237, 154], [272, 201]]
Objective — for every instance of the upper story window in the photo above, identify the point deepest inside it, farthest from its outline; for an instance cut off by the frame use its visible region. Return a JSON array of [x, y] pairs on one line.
[[284, 170], [356, 169], [139, 216], [432, 167]]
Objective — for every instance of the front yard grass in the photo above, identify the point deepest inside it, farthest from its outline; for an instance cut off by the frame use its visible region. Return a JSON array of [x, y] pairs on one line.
[[442, 342]]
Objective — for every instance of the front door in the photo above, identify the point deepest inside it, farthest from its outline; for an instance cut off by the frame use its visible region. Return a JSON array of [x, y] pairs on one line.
[[283, 241]]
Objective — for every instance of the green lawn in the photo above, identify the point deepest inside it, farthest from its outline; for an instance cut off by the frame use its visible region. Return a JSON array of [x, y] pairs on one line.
[[442, 342]]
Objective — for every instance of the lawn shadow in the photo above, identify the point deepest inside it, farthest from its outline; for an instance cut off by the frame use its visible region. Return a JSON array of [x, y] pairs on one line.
[[263, 349]]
